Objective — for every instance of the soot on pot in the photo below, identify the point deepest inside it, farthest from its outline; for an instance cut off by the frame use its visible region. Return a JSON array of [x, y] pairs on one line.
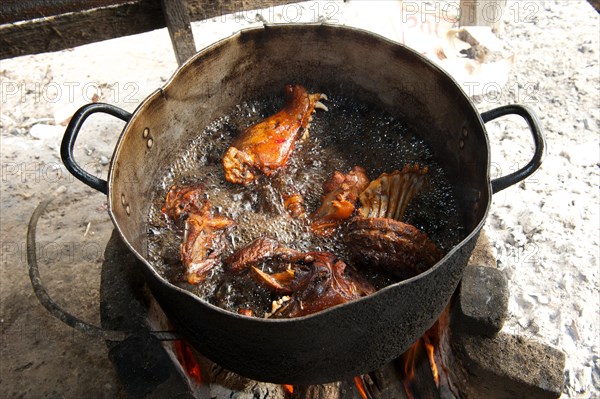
[[349, 134]]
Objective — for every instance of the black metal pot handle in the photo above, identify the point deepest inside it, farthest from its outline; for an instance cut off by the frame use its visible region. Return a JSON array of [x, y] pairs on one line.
[[54, 309], [539, 142], [68, 142]]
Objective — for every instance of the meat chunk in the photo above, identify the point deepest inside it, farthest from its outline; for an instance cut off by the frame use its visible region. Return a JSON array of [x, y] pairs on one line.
[[308, 282], [182, 201], [399, 249], [321, 280], [339, 201], [203, 243], [267, 145], [378, 238]]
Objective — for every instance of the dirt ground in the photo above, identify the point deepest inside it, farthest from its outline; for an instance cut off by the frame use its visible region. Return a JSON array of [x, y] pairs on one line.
[[545, 230]]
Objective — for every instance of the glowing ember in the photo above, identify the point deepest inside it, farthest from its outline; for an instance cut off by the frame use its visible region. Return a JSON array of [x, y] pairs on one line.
[[361, 387], [289, 389], [187, 360]]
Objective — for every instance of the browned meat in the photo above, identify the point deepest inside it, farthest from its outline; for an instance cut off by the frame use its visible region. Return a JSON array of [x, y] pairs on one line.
[[294, 205], [398, 248], [253, 254], [311, 281], [378, 238], [388, 196], [338, 202], [182, 201], [321, 281], [203, 243], [267, 146]]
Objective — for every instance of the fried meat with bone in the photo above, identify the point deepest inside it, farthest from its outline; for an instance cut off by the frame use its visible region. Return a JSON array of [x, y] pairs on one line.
[[267, 145], [310, 282], [182, 201], [338, 201], [203, 243], [378, 238]]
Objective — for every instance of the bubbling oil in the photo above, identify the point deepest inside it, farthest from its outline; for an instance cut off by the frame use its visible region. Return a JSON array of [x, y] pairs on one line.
[[349, 134]]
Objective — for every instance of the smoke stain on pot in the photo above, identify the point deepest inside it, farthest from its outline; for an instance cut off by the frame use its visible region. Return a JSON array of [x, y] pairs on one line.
[[350, 134]]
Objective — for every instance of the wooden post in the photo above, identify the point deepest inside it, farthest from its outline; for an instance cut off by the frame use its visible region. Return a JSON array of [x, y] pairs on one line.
[[482, 13], [177, 19]]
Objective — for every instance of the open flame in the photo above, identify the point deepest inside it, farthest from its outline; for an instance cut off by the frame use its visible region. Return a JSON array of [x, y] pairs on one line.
[[430, 349], [361, 387], [187, 360], [409, 359], [409, 366], [420, 364], [421, 368]]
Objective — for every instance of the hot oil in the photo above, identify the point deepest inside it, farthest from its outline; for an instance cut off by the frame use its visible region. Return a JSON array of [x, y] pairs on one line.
[[349, 134]]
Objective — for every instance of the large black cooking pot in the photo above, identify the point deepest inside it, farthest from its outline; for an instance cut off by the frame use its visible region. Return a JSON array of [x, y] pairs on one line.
[[346, 340]]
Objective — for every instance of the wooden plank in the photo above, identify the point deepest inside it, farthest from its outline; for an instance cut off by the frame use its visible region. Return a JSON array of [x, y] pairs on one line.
[[23, 10], [385, 382], [323, 391], [595, 4], [74, 29], [77, 28], [177, 18]]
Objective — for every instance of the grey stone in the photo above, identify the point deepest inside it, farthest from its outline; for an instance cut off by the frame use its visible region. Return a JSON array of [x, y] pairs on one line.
[[483, 301], [483, 253], [507, 367]]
